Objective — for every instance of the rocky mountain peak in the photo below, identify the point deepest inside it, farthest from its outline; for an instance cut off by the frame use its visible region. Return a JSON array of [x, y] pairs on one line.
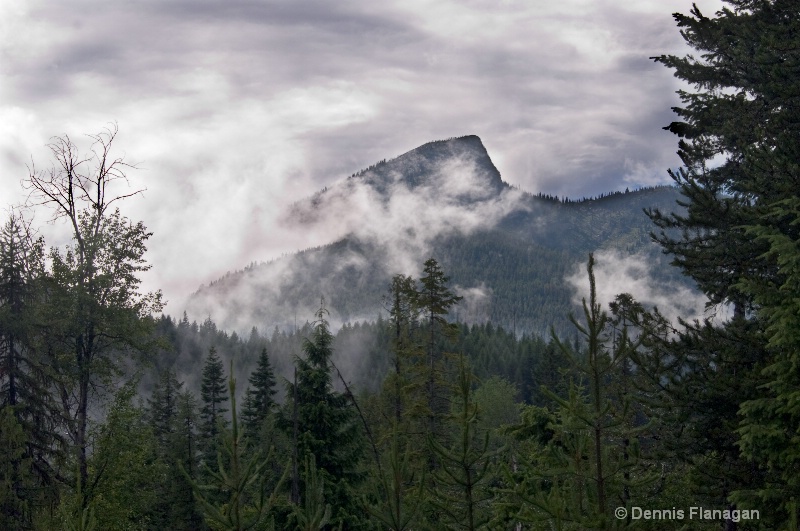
[[452, 172]]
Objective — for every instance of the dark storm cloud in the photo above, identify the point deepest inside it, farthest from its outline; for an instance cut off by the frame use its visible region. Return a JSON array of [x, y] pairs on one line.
[[237, 108]]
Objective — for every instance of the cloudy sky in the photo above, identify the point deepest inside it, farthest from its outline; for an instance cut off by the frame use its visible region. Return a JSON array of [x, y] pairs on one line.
[[232, 109]]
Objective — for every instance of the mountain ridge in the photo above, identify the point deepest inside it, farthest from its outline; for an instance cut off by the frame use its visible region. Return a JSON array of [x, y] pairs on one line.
[[428, 167], [446, 199]]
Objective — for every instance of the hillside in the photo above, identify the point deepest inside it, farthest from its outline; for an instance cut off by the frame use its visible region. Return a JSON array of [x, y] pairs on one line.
[[507, 252]]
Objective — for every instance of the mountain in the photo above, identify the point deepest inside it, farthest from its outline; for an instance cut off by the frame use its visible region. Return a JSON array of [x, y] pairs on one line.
[[509, 253], [430, 168]]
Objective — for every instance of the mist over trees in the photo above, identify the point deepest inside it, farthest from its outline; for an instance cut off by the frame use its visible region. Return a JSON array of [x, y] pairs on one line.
[[116, 416]]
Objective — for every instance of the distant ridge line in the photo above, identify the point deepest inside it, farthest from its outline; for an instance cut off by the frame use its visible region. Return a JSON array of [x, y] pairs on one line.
[[605, 195]]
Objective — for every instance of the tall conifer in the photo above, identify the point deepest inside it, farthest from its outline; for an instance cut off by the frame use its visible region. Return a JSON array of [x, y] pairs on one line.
[[25, 387], [163, 407], [434, 300], [213, 395], [259, 400], [327, 426], [738, 240]]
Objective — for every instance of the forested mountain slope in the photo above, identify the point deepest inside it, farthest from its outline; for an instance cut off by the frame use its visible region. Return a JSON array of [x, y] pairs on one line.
[[507, 251]]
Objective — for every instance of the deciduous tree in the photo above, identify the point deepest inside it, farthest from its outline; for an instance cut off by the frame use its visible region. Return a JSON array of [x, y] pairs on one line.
[[97, 311]]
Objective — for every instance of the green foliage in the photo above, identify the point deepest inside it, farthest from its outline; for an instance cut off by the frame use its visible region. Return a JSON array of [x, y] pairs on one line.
[[313, 514], [497, 402], [460, 492], [25, 374], [163, 408], [17, 481], [241, 475], [770, 430], [124, 472], [327, 426], [94, 312], [75, 514], [403, 315], [172, 415], [739, 239], [259, 399], [212, 392], [711, 406], [586, 453], [433, 300], [182, 513], [402, 488], [21, 268]]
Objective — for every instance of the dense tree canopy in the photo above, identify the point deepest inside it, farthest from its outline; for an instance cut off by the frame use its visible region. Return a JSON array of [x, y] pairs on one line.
[[624, 410], [740, 145]]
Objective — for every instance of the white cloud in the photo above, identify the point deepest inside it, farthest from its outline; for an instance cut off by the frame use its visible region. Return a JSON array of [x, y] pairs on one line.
[[617, 273], [236, 108]]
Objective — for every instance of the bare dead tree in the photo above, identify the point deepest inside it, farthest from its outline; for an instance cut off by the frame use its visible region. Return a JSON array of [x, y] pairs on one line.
[[77, 181], [99, 309]]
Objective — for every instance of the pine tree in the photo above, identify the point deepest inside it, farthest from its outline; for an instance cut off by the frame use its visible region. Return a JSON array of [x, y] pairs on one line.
[[25, 375], [241, 475], [327, 426], [739, 237], [259, 401], [434, 300], [401, 494], [163, 408], [314, 513], [213, 395], [461, 490], [583, 455]]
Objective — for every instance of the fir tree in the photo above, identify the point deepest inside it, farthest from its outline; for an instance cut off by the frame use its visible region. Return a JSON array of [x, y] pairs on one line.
[[172, 416], [403, 313], [434, 300], [213, 395], [461, 488], [17, 482], [241, 475], [259, 399], [327, 426], [163, 408], [739, 237], [185, 515], [25, 375]]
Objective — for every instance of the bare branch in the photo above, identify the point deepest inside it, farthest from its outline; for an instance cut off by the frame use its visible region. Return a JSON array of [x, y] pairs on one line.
[[78, 182]]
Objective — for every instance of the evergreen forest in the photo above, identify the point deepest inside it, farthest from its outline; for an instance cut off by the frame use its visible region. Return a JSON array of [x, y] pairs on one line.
[[117, 416]]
